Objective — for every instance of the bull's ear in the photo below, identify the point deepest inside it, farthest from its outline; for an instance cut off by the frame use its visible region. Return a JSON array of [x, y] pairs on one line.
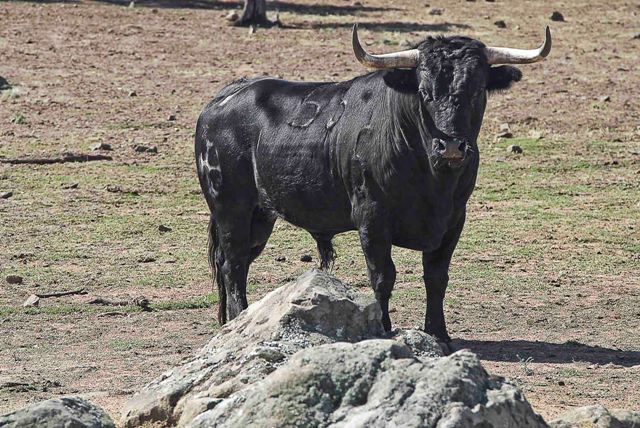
[[502, 77], [401, 80]]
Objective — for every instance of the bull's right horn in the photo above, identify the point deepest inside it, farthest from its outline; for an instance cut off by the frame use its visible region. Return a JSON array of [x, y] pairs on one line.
[[403, 59], [519, 56]]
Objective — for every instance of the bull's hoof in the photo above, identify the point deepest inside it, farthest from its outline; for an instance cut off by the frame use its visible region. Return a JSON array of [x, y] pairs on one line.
[[447, 347], [440, 335]]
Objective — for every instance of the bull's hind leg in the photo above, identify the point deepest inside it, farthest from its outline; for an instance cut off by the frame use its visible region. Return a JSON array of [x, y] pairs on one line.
[[242, 235], [234, 237]]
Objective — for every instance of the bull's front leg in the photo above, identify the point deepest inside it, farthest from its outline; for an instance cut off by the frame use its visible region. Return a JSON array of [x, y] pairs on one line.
[[436, 279], [376, 244]]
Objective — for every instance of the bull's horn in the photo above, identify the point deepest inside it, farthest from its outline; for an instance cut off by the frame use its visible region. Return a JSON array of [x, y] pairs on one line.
[[402, 59], [519, 56]]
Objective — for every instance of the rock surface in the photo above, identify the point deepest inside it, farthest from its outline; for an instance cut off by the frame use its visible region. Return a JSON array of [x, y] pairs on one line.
[[313, 353], [375, 383], [597, 417], [71, 412]]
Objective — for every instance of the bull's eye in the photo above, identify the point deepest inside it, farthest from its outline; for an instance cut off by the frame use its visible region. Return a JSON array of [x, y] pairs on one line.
[[425, 95]]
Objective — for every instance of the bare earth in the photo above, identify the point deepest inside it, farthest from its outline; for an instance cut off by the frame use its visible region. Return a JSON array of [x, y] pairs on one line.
[[546, 280]]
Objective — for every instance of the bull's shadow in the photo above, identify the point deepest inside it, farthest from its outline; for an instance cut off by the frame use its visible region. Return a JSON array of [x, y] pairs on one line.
[[545, 352]]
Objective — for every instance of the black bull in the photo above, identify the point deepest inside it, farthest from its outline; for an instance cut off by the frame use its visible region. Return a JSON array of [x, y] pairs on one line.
[[392, 154]]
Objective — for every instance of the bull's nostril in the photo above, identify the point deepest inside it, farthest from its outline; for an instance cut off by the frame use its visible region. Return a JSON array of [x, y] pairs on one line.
[[462, 146], [441, 146]]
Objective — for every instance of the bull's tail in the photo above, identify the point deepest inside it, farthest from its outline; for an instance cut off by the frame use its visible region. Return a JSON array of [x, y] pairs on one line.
[[326, 251], [216, 260]]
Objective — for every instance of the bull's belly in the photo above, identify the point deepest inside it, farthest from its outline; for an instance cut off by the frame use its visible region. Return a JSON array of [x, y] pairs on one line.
[[316, 211]]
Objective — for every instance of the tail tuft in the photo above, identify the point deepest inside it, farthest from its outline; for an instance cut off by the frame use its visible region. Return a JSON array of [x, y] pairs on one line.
[[327, 253]]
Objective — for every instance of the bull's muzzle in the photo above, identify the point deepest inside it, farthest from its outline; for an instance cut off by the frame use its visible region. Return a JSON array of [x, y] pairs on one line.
[[451, 150]]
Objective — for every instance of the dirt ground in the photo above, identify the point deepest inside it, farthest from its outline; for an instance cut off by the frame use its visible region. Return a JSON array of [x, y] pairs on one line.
[[545, 282]]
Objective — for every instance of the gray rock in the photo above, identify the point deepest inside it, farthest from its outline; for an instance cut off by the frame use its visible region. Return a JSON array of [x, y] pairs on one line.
[[316, 309], [557, 16], [6, 195], [374, 383], [71, 412], [597, 417], [141, 148], [32, 300], [304, 356], [421, 344], [101, 146]]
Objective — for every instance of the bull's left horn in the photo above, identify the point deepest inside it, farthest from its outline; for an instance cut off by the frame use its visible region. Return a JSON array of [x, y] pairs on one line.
[[519, 56], [402, 59]]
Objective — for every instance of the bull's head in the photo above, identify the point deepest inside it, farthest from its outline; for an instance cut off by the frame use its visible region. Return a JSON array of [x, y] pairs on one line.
[[453, 76]]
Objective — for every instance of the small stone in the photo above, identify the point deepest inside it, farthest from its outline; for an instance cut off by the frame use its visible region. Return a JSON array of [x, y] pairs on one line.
[[163, 228], [6, 195], [171, 117], [281, 259], [306, 258], [604, 99], [356, 4], [514, 149], [504, 134], [436, 12], [133, 94], [147, 258], [561, 383], [636, 36], [504, 127], [141, 148], [70, 186], [557, 16], [31, 301], [500, 24], [232, 16], [13, 279], [100, 146], [535, 135]]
